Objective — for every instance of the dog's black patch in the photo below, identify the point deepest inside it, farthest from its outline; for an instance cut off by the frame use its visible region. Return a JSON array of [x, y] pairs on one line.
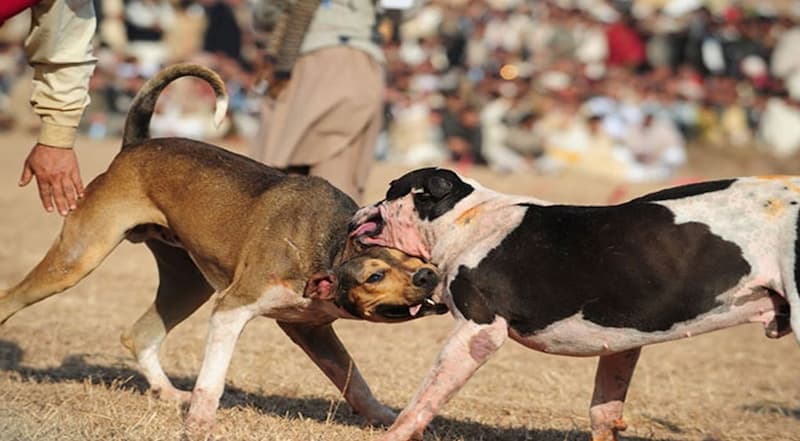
[[469, 299], [685, 191], [629, 266], [439, 190]]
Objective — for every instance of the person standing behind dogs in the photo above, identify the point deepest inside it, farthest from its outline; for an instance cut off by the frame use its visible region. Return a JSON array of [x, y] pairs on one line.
[[326, 95], [59, 48]]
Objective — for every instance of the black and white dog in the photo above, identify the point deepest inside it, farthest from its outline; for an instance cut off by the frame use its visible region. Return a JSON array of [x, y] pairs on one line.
[[590, 280]]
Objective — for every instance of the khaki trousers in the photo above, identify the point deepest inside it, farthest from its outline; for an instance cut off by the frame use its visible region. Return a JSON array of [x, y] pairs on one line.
[[327, 118]]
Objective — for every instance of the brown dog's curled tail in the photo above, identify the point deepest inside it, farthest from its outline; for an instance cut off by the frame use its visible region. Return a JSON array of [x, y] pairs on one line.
[[137, 124]]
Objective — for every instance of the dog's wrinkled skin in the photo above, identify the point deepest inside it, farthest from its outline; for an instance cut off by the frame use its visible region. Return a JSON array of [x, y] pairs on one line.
[[219, 222], [585, 281]]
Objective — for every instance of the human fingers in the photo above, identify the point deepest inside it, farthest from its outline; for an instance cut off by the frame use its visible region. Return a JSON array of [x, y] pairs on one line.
[[27, 175], [77, 183], [70, 192], [45, 194], [60, 197]]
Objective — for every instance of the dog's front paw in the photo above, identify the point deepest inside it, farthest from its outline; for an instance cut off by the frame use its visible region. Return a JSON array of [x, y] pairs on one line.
[[609, 433], [198, 429], [403, 432], [200, 421], [395, 435]]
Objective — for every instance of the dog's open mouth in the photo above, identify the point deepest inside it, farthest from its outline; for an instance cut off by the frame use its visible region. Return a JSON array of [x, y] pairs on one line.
[[407, 312], [370, 227]]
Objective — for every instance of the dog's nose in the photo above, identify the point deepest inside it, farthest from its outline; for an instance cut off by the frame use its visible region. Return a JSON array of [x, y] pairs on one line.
[[425, 277]]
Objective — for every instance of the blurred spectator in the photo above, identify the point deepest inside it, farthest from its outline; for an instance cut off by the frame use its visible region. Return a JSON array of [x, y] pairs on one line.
[[657, 146], [523, 139], [111, 30], [781, 126], [146, 21], [625, 45], [12, 66], [222, 34], [461, 130], [786, 61], [184, 39], [413, 133]]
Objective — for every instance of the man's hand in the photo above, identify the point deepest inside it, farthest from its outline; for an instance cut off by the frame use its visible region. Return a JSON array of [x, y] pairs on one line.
[[57, 175]]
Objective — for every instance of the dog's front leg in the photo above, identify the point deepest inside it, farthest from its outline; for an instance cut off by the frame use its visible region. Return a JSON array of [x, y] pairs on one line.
[[466, 350], [611, 382], [328, 352], [224, 329]]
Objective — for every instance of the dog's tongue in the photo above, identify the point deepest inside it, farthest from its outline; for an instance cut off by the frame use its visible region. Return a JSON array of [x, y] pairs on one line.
[[365, 228], [413, 310]]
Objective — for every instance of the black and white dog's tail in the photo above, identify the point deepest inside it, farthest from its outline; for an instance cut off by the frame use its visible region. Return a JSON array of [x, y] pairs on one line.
[[137, 123]]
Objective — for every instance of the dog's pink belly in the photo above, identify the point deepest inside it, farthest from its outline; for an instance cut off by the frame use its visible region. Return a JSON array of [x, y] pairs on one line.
[[575, 336]]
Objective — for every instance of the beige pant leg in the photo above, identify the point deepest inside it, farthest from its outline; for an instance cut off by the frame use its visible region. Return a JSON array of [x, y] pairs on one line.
[[349, 169]]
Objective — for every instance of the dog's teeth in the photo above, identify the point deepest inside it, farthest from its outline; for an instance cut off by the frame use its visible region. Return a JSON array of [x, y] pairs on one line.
[[413, 310], [430, 302]]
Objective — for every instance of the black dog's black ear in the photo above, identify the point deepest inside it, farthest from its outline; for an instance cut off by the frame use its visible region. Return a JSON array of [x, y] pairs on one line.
[[439, 187]]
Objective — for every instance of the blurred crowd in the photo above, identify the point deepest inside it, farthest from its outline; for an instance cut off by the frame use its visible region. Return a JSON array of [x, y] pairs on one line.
[[612, 88], [616, 89]]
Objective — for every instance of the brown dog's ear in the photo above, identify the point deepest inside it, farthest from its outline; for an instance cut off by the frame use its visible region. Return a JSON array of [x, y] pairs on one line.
[[351, 248], [321, 286]]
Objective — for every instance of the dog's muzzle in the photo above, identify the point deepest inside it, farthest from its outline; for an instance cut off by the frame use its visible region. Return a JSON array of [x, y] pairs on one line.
[[424, 278]]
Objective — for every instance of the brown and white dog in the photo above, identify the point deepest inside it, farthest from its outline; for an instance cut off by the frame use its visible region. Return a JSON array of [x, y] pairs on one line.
[[585, 281], [267, 243]]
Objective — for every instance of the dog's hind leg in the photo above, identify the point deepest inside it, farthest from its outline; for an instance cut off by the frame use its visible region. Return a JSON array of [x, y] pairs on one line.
[[328, 352], [88, 235], [182, 290], [611, 382]]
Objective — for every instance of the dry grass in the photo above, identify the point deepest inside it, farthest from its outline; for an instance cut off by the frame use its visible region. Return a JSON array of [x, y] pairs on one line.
[[64, 375]]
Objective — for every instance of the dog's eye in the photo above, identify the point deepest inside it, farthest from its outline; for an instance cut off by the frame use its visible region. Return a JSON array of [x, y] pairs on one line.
[[375, 277]]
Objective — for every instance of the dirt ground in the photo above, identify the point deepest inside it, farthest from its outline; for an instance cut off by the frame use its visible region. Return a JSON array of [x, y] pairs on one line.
[[64, 375]]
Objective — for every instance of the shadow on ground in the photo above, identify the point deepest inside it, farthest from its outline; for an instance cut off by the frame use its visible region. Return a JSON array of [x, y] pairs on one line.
[[122, 376], [772, 408]]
